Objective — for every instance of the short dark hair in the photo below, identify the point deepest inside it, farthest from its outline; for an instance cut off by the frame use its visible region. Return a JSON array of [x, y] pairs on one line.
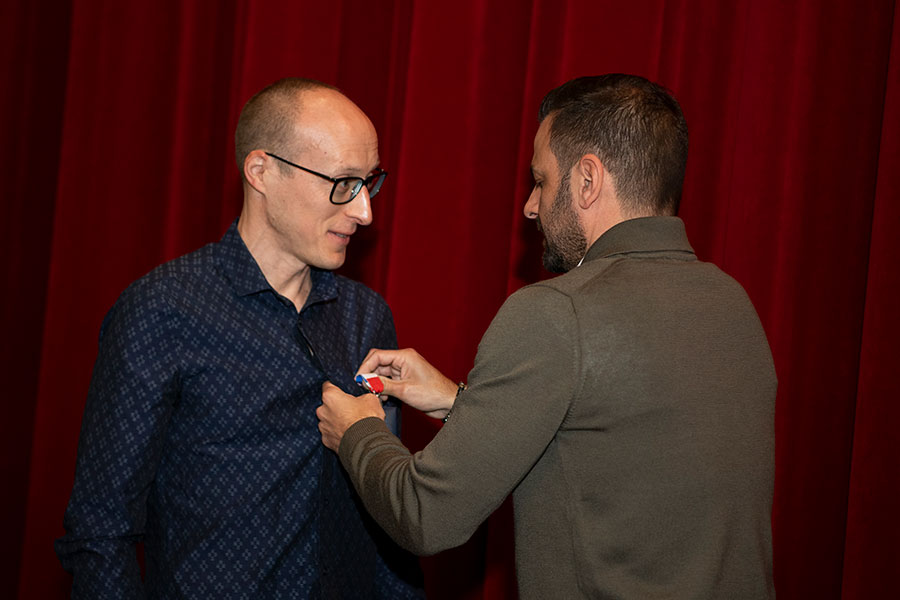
[[267, 120], [633, 125]]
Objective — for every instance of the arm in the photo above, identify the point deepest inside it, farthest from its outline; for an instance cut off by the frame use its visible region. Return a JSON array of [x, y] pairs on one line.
[[397, 572], [128, 406], [524, 380], [386, 337]]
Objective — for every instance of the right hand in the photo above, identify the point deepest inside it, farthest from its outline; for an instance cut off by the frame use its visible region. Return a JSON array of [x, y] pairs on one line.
[[412, 379]]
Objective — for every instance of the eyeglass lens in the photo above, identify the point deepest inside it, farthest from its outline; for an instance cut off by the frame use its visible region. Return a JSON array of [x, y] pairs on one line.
[[347, 188]]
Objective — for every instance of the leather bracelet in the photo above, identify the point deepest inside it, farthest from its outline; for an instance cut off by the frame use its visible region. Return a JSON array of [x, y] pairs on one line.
[[459, 387]]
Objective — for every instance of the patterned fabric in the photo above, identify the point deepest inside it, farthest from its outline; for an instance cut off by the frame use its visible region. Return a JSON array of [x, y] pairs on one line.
[[200, 438]]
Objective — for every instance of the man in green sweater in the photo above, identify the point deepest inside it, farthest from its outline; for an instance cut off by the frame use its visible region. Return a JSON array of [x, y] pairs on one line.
[[627, 404]]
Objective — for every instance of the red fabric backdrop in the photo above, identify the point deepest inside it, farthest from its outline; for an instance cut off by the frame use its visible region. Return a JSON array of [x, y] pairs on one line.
[[117, 121]]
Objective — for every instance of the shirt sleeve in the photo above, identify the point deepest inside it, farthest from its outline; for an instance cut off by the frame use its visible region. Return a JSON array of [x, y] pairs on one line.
[[386, 338], [397, 573], [524, 380], [132, 392]]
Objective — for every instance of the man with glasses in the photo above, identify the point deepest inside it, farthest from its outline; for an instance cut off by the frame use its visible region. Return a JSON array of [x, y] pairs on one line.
[[627, 404], [199, 435]]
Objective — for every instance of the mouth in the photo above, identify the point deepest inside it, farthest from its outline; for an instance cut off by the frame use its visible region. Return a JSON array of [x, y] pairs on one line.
[[343, 238]]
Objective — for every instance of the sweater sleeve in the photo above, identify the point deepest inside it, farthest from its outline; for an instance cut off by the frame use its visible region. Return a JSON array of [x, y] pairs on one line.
[[524, 380]]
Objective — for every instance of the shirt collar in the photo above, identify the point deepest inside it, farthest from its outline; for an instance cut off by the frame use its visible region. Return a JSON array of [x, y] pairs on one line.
[[246, 278], [644, 234]]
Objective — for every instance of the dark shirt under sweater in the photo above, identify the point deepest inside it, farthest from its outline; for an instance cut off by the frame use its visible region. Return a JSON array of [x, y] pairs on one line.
[[200, 439]]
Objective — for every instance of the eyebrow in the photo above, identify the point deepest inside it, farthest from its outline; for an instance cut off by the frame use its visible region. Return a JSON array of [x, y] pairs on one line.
[[354, 169]]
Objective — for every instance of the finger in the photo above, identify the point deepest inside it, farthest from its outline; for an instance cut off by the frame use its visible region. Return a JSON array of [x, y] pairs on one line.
[[385, 371], [331, 393], [377, 358]]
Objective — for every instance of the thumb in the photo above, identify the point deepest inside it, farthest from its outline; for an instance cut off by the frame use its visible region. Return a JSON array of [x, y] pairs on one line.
[[399, 389], [381, 385], [391, 387]]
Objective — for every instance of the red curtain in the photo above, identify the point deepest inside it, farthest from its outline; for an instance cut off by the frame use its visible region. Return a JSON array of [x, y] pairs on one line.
[[117, 120]]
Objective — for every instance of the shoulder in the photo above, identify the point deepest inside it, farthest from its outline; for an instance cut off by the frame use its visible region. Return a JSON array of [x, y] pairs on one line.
[[183, 271], [537, 315], [557, 295], [544, 295], [585, 277], [359, 296], [167, 285]]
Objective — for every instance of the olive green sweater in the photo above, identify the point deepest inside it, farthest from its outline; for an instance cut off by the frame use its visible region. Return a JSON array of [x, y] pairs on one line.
[[628, 407]]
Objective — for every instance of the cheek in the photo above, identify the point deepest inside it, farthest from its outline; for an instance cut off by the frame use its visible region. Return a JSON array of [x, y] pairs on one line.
[[545, 204], [313, 216]]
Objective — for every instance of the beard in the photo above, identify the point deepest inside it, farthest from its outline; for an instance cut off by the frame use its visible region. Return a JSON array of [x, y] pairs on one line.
[[564, 241]]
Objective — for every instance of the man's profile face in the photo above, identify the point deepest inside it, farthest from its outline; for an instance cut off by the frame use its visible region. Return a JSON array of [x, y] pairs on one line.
[[336, 139], [551, 205]]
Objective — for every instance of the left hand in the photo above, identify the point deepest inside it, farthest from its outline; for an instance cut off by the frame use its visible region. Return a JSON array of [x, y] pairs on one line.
[[339, 411]]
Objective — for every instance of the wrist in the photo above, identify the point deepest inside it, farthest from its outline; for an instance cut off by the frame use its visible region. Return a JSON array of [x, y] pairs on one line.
[[459, 389]]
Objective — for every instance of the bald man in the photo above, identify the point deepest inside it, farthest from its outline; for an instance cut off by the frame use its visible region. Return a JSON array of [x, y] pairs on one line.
[[199, 435]]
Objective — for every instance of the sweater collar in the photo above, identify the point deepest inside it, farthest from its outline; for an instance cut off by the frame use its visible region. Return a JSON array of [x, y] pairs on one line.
[[644, 234]]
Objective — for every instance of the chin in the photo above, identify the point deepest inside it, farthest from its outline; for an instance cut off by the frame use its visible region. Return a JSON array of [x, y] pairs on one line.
[[331, 263]]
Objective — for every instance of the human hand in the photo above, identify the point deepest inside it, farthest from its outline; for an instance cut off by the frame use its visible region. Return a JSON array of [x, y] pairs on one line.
[[413, 380], [339, 411]]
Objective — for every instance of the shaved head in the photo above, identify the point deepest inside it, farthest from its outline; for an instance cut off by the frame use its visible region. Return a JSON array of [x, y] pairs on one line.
[[267, 121]]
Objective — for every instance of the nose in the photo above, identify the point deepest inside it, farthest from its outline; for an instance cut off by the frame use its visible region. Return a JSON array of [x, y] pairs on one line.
[[360, 208], [531, 205]]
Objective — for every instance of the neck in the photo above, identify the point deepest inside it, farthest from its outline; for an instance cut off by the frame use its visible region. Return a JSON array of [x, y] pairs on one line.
[[287, 276], [594, 228], [603, 216]]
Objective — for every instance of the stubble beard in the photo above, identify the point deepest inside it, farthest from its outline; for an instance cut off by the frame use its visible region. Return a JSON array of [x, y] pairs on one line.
[[564, 241]]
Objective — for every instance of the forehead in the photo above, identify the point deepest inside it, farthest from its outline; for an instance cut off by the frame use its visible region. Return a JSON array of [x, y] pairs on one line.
[[330, 126], [542, 154]]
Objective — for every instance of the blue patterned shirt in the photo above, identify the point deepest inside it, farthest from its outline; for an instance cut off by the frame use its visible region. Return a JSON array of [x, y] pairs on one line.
[[200, 439]]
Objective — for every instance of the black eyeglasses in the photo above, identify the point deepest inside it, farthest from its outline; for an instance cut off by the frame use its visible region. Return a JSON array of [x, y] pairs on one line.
[[344, 189]]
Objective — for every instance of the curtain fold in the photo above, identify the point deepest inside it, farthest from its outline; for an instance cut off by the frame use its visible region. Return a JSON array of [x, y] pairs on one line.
[[870, 551], [33, 70], [119, 121]]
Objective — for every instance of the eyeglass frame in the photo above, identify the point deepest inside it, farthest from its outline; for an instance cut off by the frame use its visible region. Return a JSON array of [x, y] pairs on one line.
[[378, 175]]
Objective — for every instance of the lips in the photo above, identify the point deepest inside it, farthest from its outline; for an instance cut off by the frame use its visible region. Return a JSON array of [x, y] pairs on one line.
[[341, 237]]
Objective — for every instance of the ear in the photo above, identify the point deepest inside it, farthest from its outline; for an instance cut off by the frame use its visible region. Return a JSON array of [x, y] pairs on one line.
[[256, 167], [587, 180]]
